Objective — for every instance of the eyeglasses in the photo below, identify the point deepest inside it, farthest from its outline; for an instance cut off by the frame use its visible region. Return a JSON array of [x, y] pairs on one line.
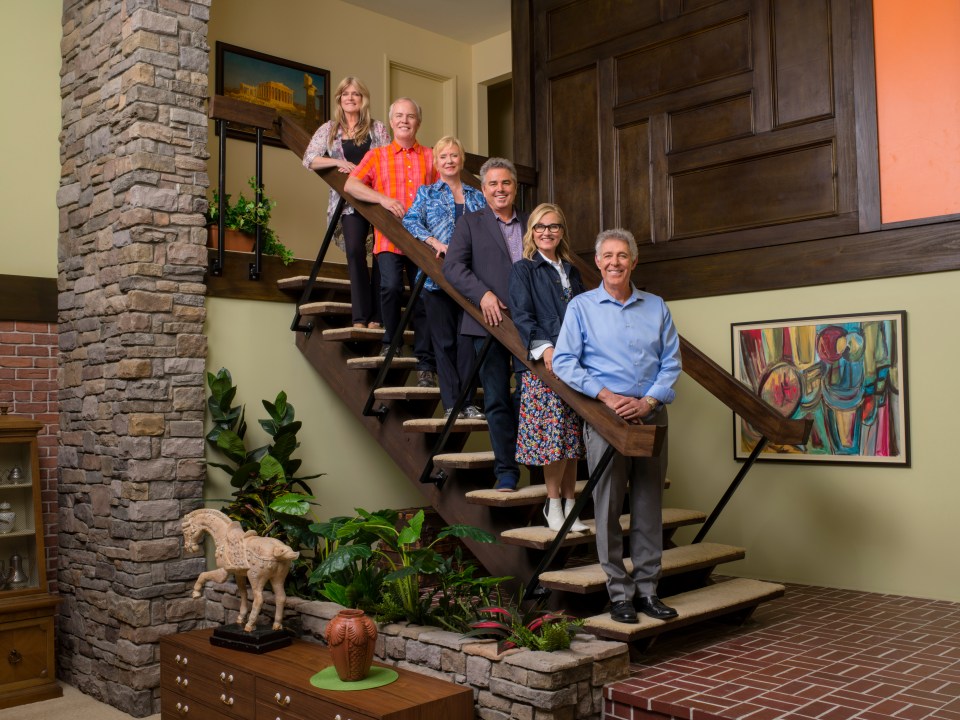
[[552, 227]]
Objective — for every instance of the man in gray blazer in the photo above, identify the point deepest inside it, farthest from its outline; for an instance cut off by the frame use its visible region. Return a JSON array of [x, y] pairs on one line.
[[479, 260]]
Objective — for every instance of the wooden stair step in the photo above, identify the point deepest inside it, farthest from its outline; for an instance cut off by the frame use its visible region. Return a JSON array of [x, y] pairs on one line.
[[685, 558], [693, 606], [326, 307], [299, 282], [375, 361], [529, 495], [407, 392], [352, 334], [436, 425], [539, 537], [464, 461]]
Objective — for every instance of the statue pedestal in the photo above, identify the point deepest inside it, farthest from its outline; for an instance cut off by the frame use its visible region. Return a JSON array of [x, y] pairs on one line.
[[262, 639]]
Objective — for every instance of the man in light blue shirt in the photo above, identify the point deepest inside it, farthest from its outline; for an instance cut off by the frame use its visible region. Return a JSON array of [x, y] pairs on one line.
[[619, 345]]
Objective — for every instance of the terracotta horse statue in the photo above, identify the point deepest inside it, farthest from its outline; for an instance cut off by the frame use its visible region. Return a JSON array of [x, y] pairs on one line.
[[245, 555]]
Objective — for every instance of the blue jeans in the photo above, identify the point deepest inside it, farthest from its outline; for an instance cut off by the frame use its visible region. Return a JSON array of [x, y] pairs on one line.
[[392, 267], [501, 408]]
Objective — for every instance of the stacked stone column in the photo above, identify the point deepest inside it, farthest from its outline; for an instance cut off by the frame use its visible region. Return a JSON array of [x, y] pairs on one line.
[[132, 349]]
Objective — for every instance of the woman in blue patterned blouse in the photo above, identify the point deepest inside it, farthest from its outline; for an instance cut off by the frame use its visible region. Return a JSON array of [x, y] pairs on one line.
[[431, 219]]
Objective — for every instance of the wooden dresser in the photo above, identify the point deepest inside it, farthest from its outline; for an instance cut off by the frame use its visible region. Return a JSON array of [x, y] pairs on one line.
[[199, 680]]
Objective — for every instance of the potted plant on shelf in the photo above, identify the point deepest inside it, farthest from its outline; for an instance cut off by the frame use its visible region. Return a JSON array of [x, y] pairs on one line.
[[242, 218]]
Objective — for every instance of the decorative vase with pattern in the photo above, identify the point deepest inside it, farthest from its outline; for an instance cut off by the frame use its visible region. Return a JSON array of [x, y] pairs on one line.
[[351, 636]]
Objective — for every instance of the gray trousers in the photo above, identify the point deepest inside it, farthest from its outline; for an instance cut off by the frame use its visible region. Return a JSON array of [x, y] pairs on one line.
[[644, 478]]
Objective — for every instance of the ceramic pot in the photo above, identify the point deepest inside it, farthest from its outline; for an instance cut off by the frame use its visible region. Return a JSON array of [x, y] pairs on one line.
[[236, 241], [8, 518], [351, 636]]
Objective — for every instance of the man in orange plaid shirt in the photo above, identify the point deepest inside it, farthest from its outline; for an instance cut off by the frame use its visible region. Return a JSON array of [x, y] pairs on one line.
[[390, 176]]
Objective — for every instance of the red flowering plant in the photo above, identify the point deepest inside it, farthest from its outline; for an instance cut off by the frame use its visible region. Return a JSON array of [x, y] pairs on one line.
[[536, 628]]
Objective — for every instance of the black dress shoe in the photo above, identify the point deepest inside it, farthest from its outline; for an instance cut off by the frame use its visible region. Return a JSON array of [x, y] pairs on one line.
[[652, 607], [623, 612]]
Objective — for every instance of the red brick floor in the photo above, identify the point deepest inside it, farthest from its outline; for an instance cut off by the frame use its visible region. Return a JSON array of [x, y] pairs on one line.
[[814, 653]]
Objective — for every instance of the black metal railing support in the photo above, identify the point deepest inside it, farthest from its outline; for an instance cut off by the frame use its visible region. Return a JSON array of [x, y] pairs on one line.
[[216, 265], [256, 267], [754, 454], [466, 392], [315, 271], [533, 588], [395, 344]]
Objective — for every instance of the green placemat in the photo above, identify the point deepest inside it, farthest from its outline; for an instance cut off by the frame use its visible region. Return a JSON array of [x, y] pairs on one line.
[[327, 679]]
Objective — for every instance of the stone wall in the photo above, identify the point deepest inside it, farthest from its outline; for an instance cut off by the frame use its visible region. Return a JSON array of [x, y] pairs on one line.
[[519, 684], [132, 351]]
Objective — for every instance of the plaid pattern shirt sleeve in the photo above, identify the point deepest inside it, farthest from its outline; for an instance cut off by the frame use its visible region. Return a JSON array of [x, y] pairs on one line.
[[397, 173]]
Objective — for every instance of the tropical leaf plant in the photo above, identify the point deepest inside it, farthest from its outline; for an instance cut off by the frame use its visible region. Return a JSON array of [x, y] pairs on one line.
[[534, 627]]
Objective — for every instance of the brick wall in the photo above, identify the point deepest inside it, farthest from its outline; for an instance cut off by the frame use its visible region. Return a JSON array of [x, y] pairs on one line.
[[28, 386]]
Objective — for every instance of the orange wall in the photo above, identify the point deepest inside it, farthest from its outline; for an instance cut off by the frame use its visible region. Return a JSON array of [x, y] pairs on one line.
[[918, 107]]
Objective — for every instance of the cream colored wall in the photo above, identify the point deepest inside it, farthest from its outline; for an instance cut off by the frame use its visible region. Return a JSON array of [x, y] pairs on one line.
[[492, 62], [346, 40], [881, 529], [252, 340], [29, 137]]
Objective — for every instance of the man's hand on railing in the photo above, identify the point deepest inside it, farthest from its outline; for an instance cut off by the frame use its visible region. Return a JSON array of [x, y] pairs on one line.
[[492, 308]]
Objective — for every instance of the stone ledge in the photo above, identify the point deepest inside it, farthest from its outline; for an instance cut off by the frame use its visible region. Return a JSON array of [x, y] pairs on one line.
[[518, 684]]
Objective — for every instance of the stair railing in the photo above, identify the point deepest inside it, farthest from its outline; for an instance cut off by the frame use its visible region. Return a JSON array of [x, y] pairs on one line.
[[225, 110], [305, 296]]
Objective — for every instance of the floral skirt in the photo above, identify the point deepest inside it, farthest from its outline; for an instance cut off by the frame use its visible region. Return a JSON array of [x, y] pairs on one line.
[[549, 429]]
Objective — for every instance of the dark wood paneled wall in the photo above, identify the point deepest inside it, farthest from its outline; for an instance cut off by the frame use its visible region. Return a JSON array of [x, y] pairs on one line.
[[735, 138]]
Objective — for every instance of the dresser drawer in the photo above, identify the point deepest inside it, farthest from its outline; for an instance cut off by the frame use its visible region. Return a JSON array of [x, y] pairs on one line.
[[209, 681], [175, 706], [278, 702]]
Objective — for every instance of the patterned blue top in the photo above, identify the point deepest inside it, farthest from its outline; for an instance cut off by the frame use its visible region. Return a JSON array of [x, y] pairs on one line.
[[433, 214]]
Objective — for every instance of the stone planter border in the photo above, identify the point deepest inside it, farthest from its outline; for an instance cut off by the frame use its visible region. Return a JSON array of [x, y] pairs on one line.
[[518, 684]]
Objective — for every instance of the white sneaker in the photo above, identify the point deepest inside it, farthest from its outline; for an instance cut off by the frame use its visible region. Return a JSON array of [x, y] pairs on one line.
[[577, 525]]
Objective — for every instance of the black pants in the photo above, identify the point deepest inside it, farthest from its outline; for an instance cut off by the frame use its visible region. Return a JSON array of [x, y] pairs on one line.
[[392, 269], [453, 351], [364, 281]]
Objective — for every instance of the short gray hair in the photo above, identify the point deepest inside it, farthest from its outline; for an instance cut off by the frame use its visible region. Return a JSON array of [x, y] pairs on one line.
[[497, 163], [617, 234], [409, 100]]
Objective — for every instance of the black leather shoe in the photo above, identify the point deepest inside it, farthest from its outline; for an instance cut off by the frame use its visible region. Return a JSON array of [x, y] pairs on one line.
[[623, 612], [652, 607]]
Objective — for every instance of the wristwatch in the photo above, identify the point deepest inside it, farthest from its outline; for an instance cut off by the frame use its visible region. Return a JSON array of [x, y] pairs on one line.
[[653, 403]]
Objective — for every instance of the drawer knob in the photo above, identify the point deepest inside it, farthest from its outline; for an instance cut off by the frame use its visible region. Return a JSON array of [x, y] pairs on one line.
[[14, 658], [226, 679], [182, 708], [281, 700], [182, 682], [180, 660], [226, 700]]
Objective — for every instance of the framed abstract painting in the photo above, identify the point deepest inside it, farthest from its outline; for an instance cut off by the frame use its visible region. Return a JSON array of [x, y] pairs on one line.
[[846, 373]]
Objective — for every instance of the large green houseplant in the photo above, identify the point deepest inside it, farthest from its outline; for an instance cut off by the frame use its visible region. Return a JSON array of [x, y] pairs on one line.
[[268, 496], [245, 215]]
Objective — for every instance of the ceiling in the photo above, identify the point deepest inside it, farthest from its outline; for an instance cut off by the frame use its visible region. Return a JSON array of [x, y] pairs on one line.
[[469, 21]]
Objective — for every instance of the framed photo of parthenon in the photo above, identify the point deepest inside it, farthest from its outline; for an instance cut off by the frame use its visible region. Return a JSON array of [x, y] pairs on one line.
[[846, 373], [299, 90]]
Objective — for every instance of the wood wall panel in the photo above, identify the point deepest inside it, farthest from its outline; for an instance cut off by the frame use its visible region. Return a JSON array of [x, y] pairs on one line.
[[754, 192], [574, 142], [715, 122], [802, 62], [633, 180], [723, 130], [708, 54], [587, 23]]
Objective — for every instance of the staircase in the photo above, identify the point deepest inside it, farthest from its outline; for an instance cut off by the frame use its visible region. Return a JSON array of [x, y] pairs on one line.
[[404, 424]]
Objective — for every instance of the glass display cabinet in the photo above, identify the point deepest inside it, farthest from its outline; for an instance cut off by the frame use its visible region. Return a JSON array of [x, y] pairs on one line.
[[27, 670]]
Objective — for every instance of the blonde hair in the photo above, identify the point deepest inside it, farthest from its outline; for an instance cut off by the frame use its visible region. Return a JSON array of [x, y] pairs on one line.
[[530, 247], [365, 122], [444, 142]]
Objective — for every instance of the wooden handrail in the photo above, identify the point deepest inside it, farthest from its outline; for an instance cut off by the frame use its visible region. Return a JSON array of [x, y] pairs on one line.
[[631, 440]]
